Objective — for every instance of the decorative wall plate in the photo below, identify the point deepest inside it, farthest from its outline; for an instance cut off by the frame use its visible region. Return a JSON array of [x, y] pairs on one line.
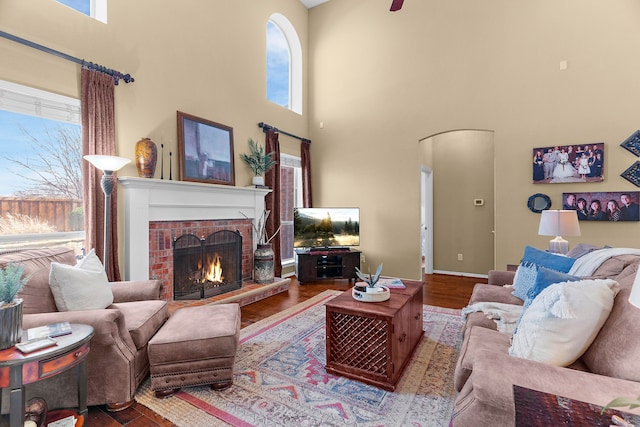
[[633, 174], [632, 143]]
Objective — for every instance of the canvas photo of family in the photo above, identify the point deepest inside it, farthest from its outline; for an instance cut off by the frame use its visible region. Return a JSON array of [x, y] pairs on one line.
[[568, 163], [604, 206]]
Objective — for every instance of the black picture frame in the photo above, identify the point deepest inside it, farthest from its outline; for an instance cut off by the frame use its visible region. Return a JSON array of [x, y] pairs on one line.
[[205, 150], [632, 144], [632, 174]]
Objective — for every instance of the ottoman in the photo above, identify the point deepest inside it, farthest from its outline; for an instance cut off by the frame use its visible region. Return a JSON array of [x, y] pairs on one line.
[[196, 346]]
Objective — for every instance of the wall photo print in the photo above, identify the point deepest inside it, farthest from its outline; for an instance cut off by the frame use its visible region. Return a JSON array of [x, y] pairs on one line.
[[604, 206], [563, 164]]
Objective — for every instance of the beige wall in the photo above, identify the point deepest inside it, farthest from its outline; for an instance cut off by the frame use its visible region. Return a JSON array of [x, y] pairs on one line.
[[381, 81], [206, 58]]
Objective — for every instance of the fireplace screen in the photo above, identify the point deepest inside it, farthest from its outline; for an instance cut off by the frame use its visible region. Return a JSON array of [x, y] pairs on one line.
[[203, 268]]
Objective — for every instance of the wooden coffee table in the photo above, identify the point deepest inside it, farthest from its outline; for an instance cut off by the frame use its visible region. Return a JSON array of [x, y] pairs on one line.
[[372, 342]]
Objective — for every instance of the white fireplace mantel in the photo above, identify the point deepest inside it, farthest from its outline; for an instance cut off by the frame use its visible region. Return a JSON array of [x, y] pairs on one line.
[[148, 200]]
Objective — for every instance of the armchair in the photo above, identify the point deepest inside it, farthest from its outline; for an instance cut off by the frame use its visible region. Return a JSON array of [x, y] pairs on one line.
[[117, 361]]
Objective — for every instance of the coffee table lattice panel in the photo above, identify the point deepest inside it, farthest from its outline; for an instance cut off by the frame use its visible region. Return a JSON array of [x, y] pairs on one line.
[[359, 342]]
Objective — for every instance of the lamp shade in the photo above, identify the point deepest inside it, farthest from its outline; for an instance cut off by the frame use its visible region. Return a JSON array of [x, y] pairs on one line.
[[107, 163], [559, 223]]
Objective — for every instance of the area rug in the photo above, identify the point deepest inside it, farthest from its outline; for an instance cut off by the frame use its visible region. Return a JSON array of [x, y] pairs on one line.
[[280, 379]]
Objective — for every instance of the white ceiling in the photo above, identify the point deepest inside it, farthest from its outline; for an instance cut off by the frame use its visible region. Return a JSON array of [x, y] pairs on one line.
[[311, 3]]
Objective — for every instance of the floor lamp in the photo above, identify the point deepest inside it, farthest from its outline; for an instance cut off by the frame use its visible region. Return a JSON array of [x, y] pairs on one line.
[[108, 165]]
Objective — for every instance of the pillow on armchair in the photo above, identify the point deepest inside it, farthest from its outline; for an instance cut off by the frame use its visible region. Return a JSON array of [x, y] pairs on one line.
[[84, 286]]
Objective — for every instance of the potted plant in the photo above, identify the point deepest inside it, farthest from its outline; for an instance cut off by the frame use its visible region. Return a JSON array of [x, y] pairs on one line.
[[263, 259], [11, 282], [258, 160], [370, 292]]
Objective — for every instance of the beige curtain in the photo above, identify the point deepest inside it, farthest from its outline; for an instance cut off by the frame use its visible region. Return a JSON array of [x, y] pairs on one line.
[[272, 200], [98, 137]]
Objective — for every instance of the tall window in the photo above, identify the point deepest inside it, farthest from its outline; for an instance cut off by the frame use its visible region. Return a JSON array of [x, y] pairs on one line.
[[96, 9], [40, 169], [290, 197], [284, 64]]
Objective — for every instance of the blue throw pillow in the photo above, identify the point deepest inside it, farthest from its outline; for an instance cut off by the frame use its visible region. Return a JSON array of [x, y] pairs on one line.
[[544, 278], [532, 260]]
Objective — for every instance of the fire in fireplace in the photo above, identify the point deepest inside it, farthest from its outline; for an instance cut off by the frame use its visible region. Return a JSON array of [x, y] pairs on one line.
[[205, 267]]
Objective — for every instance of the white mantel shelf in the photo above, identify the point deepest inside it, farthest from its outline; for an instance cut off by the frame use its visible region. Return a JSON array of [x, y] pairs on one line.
[[148, 200]]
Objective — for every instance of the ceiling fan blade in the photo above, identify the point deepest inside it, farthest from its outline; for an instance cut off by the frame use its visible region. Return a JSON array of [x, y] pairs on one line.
[[396, 5]]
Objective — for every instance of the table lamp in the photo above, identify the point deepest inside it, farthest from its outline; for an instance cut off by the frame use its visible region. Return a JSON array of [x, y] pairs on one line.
[[108, 165], [559, 223]]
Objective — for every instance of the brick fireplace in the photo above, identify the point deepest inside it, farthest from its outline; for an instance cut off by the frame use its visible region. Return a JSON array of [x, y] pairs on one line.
[[157, 211]]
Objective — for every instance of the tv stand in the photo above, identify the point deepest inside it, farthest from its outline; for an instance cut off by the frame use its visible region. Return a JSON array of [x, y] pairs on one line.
[[326, 263]]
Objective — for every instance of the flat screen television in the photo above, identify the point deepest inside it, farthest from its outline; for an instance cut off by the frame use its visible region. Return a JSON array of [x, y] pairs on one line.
[[326, 227]]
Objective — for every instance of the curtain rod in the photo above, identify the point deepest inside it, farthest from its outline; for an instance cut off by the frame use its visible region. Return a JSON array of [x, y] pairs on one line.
[[117, 75], [265, 128]]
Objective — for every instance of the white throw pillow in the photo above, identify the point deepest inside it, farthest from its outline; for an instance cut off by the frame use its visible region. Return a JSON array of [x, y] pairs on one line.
[[84, 286], [563, 320]]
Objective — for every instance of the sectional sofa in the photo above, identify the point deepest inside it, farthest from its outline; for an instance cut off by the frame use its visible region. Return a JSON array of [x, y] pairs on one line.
[[609, 363]]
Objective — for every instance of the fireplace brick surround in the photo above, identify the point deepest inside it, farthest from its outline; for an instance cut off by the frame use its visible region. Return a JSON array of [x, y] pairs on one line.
[[162, 233], [156, 211]]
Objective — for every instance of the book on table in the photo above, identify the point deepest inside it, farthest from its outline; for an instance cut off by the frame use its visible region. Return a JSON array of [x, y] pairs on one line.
[[49, 331]]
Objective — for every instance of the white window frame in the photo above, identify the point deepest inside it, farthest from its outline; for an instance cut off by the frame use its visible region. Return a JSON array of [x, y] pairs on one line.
[[35, 102], [295, 63], [294, 162]]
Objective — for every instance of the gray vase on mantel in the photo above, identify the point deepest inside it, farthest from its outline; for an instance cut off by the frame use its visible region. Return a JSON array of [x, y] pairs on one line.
[[10, 324]]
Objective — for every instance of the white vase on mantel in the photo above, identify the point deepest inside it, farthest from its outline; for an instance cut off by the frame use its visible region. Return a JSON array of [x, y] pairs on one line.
[[258, 180]]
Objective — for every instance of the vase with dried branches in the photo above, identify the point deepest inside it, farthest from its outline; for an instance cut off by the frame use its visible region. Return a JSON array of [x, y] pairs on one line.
[[263, 257]]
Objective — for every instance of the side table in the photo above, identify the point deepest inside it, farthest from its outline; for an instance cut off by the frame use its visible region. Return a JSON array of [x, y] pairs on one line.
[[18, 369]]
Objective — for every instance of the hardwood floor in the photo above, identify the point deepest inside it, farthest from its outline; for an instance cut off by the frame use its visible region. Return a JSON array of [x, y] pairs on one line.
[[439, 290]]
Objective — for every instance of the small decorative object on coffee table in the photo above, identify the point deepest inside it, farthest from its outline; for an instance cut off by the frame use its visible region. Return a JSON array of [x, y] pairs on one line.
[[370, 291]]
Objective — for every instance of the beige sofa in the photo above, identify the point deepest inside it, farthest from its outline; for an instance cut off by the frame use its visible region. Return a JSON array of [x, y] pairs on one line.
[[117, 361], [485, 372]]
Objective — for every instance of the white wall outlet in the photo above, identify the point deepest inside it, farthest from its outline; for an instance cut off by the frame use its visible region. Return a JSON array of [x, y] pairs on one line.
[[362, 259], [459, 257]]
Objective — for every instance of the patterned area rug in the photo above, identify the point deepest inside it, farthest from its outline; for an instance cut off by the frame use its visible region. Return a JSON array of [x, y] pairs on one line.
[[280, 379]]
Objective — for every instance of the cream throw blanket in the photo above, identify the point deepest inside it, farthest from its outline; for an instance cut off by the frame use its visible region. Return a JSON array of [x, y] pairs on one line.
[[587, 264], [506, 315]]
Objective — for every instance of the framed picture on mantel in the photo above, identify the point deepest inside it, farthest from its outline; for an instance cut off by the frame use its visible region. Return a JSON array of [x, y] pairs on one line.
[[205, 150]]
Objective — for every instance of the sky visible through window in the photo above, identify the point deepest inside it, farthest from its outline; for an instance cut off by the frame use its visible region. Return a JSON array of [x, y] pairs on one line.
[[15, 144], [278, 60], [83, 6]]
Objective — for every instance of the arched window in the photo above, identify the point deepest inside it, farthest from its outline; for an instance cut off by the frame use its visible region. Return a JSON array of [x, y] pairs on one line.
[[284, 64], [96, 9]]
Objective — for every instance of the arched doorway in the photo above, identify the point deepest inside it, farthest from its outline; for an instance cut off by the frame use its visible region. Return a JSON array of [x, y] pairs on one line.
[[457, 202]]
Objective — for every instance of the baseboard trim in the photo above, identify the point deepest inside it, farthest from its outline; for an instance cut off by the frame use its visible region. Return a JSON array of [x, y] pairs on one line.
[[459, 273]]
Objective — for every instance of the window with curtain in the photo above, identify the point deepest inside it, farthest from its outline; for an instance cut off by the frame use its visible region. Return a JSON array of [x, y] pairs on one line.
[[284, 64], [290, 197], [40, 169], [96, 9]]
